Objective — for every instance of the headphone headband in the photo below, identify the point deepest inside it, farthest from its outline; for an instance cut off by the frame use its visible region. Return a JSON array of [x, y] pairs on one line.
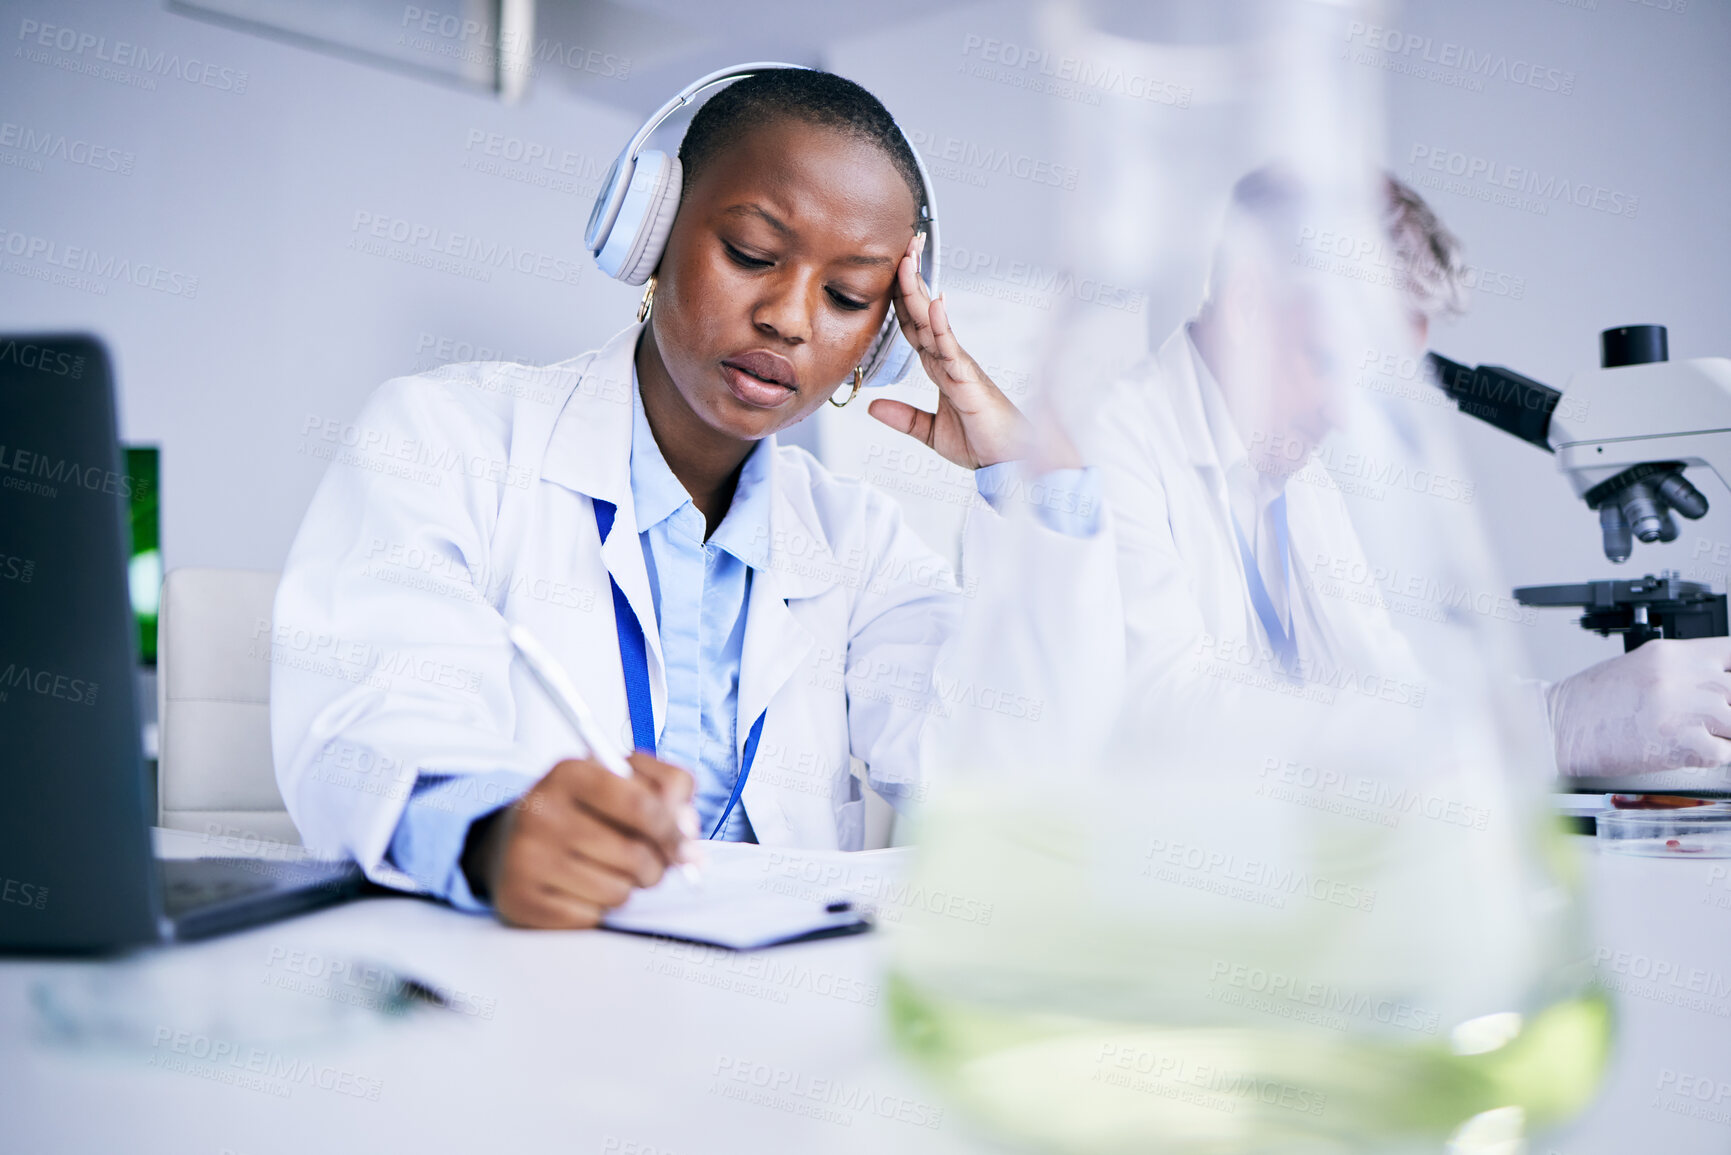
[[612, 195], [633, 215]]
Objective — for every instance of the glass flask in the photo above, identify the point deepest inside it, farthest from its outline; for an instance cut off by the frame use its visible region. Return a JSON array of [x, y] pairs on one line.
[[1222, 895]]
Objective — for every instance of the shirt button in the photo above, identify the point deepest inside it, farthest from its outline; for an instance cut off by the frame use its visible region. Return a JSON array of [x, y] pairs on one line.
[[627, 739]]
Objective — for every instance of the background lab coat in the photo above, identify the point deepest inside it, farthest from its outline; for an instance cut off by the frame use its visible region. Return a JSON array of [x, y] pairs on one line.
[[460, 500], [1418, 511], [1184, 590]]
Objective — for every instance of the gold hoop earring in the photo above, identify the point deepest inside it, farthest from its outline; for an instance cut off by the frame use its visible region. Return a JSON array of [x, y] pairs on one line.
[[648, 301], [858, 380]]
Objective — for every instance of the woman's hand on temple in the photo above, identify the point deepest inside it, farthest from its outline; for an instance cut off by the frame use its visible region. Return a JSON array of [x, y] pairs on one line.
[[975, 424]]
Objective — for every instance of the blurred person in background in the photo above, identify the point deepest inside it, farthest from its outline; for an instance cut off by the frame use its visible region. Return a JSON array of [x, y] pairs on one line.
[[1238, 544]]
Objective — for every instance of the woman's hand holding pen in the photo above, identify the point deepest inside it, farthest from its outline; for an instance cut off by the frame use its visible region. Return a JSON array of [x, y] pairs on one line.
[[975, 425], [580, 841]]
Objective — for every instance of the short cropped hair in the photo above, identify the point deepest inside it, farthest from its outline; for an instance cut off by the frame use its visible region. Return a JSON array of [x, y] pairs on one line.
[[1268, 212], [807, 95]]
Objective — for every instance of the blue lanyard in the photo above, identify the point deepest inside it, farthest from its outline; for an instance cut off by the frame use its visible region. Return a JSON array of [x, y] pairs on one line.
[[1279, 637], [634, 658]]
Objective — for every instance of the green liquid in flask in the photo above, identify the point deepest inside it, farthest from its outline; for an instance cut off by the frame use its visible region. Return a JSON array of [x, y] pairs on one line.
[[1066, 1084], [1071, 1021]]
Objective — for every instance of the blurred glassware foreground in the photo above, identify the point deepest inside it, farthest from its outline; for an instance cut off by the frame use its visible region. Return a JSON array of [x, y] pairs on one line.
[[1232, 903]]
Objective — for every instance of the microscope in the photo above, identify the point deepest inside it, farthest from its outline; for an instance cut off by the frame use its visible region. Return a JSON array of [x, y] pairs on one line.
[[1623, 434]]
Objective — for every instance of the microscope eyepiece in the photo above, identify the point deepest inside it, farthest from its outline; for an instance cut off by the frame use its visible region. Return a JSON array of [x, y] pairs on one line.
[[1633, 345]]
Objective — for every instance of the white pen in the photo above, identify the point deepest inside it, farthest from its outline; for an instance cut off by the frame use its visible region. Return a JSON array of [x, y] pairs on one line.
[[563, 693]]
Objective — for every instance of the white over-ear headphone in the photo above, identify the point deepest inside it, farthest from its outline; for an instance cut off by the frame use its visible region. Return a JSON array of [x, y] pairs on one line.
[[634, 213]]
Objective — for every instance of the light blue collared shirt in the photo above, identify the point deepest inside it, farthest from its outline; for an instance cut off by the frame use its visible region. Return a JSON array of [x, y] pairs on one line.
[[700, 590]]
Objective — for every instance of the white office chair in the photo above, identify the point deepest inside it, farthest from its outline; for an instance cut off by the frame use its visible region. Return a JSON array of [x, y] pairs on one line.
[[214, 770]]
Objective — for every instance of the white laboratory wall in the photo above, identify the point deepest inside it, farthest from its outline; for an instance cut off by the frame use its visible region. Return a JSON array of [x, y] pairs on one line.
[[268, 195]]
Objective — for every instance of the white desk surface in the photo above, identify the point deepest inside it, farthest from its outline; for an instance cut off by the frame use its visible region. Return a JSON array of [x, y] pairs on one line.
[[603, 1043]]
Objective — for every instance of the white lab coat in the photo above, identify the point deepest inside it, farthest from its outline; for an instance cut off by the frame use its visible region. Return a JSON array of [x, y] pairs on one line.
[[1191, 632], [1418, 517], [465, 504]]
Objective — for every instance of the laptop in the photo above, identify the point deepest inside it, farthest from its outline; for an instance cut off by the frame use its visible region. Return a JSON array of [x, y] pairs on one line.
[[77, 872]]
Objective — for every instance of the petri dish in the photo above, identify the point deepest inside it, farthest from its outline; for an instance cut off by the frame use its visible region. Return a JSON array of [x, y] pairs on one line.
[[1702, 831]]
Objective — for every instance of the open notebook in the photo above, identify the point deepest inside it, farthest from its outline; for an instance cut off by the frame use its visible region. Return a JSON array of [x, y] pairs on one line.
[[752, 897]]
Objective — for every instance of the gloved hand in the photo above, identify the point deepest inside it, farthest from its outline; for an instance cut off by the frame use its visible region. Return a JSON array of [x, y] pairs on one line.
[[1665, 705]]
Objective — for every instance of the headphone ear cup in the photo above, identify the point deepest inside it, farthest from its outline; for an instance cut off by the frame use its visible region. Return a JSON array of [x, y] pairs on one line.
[[661, 177], [890, 357], [658, 223], [633, 245]]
